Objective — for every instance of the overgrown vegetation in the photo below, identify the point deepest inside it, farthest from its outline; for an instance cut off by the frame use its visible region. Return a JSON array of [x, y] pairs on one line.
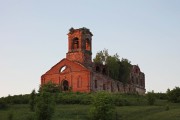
[[32, 101], [45, 108], [174, 95], [3, 104], [151, 98], [45, 101], [118, 69], [16, 99], [50, 87], [102, 107]]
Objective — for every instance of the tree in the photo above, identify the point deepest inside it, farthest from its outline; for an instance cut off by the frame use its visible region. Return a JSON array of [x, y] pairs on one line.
[[124, 70], [151, 98], [116, 68], [102, 107], [101, 57], [45, 101], [3, 104], [45, 106], [32, 100], [113, 67], [174, 95]]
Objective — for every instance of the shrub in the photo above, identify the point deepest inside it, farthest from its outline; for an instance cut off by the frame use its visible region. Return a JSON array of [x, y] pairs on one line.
[[45, 106], [17, 99], [162, 96], [102, 107], [151, 98], [174, 95], [3, 104], [50, 87], [32, 100]]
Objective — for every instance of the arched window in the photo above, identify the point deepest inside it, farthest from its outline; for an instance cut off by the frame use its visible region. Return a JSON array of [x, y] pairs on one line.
[[112, 89], [65, 85], [62, 68], [129, 89], [95, 83], [104, 87], [118, 87], [136, 70], [88, 45], [97, 69], [104, 71], [75, 44], [137, 81], [132, 79], [79, 82]]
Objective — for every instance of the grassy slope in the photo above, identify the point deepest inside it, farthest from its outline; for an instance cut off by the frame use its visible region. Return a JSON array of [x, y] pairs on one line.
[[80, 112]]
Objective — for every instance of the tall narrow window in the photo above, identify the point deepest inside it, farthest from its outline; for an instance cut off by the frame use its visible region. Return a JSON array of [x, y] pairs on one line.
[[88, 45], [79, 82], [104, 71], [137, 81], [112, 89], [118, 87], [65, 85], [98, 69], [95, 83], [104, 87], [75, 43]]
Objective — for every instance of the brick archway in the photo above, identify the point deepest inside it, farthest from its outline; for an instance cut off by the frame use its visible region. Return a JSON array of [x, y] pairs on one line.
[[65, 85]]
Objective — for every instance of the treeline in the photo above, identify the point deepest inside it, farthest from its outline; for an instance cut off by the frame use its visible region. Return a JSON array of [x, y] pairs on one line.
[[119, 99], [118, 69], [16, 99], [42, 104]]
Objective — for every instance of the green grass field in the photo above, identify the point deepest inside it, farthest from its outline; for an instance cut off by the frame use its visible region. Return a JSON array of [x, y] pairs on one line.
[[81, 112]]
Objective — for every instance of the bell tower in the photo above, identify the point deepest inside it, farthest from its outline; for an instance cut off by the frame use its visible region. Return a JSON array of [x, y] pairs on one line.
[[80, 46]]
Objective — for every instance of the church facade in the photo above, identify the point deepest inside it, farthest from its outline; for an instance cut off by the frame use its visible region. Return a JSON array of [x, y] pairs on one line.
[[78, 73]]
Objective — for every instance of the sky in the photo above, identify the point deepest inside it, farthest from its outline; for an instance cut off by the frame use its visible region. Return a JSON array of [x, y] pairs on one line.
[[33, 38]]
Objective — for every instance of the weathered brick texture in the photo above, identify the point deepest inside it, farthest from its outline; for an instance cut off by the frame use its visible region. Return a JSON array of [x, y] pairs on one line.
[[78, 73]]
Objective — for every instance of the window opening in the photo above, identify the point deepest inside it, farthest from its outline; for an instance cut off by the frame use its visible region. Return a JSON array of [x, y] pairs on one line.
[[104, 71], [95, 84], [62, 69], [97, 69], [104, 87], [118, 87], [79, 82], [75, 43], [65, 85], [88, 46]]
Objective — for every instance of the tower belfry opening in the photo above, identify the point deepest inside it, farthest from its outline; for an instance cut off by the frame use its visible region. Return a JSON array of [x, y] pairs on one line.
[[88, 45], [79, 46], [75, 43]]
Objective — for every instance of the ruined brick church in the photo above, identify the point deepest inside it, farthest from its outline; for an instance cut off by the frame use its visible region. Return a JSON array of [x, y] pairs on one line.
[[78, 73]]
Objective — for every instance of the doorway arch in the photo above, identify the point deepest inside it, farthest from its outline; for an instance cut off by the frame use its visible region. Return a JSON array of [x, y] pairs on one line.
[[65, 85]]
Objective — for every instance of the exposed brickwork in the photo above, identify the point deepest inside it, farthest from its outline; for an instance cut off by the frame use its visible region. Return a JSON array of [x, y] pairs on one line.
[[78, 73]]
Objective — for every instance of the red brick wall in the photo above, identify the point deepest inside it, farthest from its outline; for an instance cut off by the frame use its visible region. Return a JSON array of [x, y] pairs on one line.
[[74, 74]]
